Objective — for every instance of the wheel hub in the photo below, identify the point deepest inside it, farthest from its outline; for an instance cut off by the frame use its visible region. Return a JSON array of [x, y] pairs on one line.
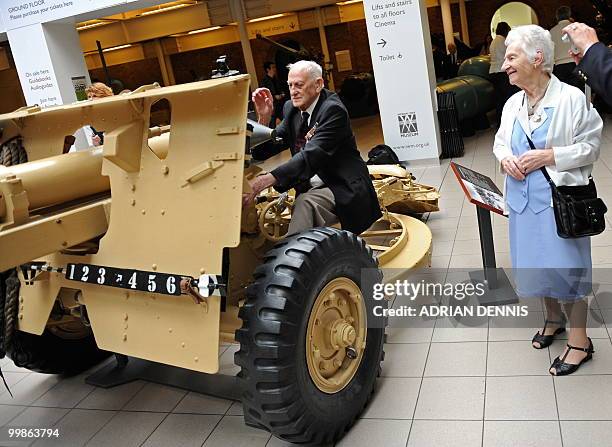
[[336, 335]]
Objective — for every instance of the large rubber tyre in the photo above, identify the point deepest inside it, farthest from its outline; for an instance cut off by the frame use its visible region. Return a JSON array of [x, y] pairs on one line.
[[50, 354], [47, 353], [279, 394]]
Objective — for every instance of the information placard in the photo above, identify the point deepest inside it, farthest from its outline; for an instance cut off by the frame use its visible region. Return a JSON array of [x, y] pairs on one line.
[[399, 38], [480, 189]]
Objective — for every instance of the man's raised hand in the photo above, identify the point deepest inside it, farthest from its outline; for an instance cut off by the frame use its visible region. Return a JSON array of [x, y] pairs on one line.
[[264, 105]]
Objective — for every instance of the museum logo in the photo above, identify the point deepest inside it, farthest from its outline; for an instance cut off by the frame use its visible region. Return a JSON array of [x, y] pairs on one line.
[[408, 124]]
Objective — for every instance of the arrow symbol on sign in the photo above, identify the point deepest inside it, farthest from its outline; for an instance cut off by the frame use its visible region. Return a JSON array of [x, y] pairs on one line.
[[292, 25], [382, 42]]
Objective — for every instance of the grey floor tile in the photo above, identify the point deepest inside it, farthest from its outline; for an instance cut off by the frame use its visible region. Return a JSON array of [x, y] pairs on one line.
[[39, 417], [522, 434], [586, 433], [30, 388], [457, 359], [185, 430], [515, 328], [201, 404], [8, 413], [111, 398], [370, 432], [517, 358], [405, 360], [395, 398], [226, 361], [584, 397], [454, 398], [66, 394], [462, 330], [445, 434], [236, 409], [413, 334], [127, 429], [12, 378], [76, 428], [232, 431], [154, 397], [520, 398]]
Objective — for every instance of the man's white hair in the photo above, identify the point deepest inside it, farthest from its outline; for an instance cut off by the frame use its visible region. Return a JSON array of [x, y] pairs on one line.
[[313, 69], [531, 39]]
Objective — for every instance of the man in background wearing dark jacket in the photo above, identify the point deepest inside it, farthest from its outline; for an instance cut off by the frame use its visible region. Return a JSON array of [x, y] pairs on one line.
[[594, 59], [326, 169]]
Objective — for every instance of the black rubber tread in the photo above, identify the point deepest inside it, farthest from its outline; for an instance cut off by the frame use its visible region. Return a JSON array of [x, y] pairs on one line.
[[279, 394], [46, 353], [50, 354]]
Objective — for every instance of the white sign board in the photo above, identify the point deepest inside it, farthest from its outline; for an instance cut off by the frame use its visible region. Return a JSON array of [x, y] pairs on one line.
[[34, 66], [399, 37], [18, 13]]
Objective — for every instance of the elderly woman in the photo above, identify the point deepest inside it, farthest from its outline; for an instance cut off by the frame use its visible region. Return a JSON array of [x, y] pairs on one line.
[[567, 135]]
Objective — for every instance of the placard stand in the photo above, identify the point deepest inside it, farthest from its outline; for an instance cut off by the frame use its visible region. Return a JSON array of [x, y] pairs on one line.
[[486, 196], [127, 369], [499, 290]]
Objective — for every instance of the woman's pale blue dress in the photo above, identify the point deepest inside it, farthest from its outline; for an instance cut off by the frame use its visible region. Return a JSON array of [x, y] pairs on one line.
[[544, 265]]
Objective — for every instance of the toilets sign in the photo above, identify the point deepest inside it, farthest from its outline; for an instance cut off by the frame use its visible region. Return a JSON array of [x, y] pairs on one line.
[[399, 38], [18, 13]]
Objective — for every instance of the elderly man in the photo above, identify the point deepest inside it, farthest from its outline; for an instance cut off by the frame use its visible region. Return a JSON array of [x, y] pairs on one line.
[[594, 59], [326, 169]]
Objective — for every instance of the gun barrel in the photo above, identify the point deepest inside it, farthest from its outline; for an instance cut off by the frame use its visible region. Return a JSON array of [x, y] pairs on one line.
[[59, 179]]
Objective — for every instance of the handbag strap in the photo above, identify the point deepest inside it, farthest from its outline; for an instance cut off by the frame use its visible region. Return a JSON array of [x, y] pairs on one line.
[[543, 169]]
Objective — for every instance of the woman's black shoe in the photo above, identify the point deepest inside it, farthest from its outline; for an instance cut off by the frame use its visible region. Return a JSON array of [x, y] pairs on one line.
[[563, 369], [546, 340]]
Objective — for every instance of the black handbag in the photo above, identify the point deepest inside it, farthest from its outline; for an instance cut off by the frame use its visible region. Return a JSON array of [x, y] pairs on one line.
[[578, 210]]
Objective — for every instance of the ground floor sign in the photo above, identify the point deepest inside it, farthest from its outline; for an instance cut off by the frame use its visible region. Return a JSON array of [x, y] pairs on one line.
[[399, 37]]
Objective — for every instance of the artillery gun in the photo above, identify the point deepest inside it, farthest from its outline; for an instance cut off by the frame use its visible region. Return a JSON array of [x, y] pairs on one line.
[[142, 248]]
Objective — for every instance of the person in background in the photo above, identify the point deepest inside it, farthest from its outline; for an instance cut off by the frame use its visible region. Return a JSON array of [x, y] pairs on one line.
[[438, 60], [272, 83], [95, 91], [594, 59], [498, 77], [452, 61], [567, 138], [564, 63], [485, 45], [92, 137]]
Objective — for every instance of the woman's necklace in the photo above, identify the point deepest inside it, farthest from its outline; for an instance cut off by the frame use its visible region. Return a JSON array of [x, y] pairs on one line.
[[531, 108]]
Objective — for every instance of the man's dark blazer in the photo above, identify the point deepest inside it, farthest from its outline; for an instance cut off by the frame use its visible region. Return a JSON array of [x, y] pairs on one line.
[[596, 70], [332, 154]]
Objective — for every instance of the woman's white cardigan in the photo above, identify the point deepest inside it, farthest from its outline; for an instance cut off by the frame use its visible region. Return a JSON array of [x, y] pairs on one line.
[[574, 133]]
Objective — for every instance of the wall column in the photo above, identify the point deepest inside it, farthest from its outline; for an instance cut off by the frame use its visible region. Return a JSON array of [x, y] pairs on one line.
[[165, 65], [465, 36], [447, 22], [325, 47], [237, 8]]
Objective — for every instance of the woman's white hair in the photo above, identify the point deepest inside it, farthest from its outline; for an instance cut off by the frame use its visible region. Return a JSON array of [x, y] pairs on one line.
[[313, 69], [531, 39]]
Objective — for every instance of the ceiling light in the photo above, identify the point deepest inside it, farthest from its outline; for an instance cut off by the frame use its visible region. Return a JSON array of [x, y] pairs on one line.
[[117, 47], [91, 25], [348, 2], [197, 31], [167, 8], [275, 16]]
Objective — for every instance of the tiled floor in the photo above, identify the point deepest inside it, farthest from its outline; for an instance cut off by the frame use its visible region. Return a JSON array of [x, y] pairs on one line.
[[441, 385]]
